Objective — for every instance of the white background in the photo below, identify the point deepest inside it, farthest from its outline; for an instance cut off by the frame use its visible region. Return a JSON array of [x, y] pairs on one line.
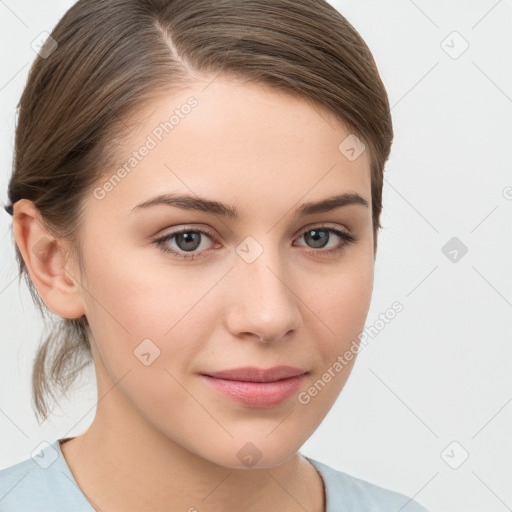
[[441, 371]]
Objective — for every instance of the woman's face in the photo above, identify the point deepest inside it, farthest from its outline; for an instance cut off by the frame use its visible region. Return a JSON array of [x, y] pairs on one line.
[[262, 288]]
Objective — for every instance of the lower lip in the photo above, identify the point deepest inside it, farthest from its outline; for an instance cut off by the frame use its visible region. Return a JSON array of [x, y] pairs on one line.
[[257, 394]]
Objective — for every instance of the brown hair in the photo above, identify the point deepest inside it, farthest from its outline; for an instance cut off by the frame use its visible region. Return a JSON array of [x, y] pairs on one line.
[[112, 56]]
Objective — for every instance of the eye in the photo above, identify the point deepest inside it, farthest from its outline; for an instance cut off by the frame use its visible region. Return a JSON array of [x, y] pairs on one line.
[[189, 240], [319, 237]]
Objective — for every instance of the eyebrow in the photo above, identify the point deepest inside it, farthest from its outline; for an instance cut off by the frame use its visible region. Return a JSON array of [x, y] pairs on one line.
[[197, 203]]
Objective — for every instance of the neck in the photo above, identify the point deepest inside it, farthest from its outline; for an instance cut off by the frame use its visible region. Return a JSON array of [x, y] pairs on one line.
[[128, 465]]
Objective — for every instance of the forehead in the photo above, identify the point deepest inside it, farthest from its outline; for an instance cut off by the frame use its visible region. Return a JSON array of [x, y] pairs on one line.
[[235, 142]]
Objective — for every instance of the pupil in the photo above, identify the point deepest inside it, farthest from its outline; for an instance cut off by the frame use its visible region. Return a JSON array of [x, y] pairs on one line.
[[317, 233], [188, 241]]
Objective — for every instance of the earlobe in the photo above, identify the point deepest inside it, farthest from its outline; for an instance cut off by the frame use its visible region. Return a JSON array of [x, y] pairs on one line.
[[45, 259]]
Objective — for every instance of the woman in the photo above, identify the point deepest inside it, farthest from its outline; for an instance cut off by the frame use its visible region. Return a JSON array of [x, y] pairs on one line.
[[196, 192]]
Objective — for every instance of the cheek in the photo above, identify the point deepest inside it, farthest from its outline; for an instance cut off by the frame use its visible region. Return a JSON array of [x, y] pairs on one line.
[[339, 302], [128, 302], [132, 295], [344, 299]]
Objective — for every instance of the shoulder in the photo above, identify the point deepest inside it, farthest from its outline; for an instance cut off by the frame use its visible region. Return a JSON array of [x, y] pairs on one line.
[[346, 492], [39, 483], [21, 484]]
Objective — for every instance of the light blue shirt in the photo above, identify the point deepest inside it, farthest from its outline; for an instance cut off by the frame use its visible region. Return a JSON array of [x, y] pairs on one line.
[[44, 483]]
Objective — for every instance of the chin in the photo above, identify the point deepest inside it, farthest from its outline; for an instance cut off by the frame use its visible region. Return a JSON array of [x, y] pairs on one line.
[[258, 453]]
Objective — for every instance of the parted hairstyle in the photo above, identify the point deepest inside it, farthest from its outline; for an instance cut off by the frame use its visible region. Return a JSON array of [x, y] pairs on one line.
[[110, 57]]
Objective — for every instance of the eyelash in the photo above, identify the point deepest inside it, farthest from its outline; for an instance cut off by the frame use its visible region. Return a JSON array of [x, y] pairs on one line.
[[347, 239]]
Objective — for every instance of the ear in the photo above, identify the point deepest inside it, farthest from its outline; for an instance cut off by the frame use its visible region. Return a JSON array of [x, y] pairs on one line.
[[46, 259]]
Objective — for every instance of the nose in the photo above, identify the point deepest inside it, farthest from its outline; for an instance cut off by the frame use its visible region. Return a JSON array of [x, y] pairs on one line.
[[265, 301]]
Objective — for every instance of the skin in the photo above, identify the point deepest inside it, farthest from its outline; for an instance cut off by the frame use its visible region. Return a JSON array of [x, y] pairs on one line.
[[168, 441]]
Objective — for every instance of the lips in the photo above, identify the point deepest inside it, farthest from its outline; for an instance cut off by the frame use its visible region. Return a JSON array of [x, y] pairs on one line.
[[253, 374], [256, 387]]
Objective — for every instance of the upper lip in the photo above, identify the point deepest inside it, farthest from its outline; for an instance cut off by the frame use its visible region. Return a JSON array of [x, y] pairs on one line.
[[253, 374]]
